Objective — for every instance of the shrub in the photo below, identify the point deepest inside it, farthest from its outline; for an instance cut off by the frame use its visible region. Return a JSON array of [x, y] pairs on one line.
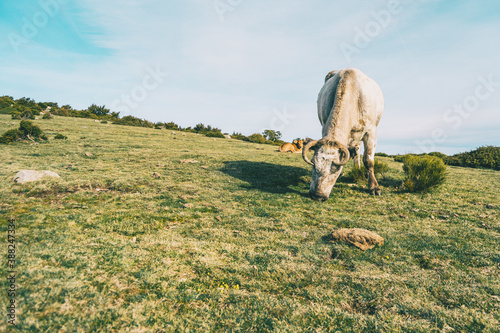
[[482, 157], [7, 110], [60, 137], [238, 136], [438, 154], [97, 110], [381, 154], [401, 158], [360, 175], [47, 115], [104, 121], [29, 130], [6, 101], [10, 136], [26, 114], [62, 112], [172, 126], [26, 131], [214, 134], [424, 173], [257, 138], [133, 121]]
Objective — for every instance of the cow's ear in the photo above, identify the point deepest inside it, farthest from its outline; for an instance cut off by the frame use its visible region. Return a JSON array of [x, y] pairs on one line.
[[329, 75]]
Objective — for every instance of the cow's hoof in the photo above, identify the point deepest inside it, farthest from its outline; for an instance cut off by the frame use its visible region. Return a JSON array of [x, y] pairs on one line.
[[376, 191]]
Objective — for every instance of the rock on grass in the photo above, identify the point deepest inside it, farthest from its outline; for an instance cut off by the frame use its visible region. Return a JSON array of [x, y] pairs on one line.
[[361, 238], [25, 176]]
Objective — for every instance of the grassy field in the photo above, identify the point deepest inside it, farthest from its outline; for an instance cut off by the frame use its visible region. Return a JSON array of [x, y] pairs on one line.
[[233, 242]]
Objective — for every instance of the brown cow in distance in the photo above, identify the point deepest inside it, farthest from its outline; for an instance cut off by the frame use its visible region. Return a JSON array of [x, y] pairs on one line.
[[294, 147]]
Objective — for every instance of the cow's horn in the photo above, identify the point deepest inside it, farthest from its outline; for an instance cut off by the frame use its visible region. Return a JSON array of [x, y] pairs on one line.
[[346, 156], [305, 150]]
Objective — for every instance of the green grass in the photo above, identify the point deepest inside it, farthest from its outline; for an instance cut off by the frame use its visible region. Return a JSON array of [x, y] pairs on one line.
[[233, 243]]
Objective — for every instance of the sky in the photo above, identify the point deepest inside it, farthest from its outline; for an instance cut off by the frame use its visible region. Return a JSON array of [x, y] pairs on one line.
[[249, 65]]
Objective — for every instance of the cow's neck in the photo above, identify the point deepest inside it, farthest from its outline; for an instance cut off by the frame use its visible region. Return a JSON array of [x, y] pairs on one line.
[[338, 127]]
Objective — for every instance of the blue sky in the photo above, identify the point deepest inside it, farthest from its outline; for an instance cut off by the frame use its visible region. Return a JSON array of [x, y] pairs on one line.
[[249, 65]]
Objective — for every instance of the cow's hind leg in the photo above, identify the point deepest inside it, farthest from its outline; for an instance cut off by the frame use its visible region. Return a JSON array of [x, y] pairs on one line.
[[370, 143]]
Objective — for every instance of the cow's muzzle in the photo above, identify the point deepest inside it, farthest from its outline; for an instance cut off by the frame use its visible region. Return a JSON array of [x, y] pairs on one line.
[[313, 195]]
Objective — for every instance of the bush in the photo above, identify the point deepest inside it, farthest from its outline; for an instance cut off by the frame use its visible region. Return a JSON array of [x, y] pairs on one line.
[[256, 138], [29, 130], [26, 131], [214, 134], [47, 115], [360, 175], [10, 136], [8, 110], [482, 157], [381, 154], [104, 121], [99, 111], [60, 137], [238, 136], [133, 121], [172, 126], [26, 114], [424, 173], [62, 112]]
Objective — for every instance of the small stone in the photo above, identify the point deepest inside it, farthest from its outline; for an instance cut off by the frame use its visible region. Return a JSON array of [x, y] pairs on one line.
[[188, 205], [189, 161], [485, 226], [134, 239], [88, 154], [156, 175], [25, 176], [218, 218], [490, 206], [204, 167]]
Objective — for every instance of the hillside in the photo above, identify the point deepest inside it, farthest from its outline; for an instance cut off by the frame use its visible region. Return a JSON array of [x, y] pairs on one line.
[[231, 241]]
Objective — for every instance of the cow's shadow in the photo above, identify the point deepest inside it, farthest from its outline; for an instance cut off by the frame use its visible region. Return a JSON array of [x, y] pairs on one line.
[[268, 177]]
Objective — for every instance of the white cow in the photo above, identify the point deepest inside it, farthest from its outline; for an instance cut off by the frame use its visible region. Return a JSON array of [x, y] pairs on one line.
[[350, 106]]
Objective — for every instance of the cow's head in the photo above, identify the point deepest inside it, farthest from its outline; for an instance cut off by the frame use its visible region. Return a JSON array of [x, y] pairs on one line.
[[329, 157], [299, 143]]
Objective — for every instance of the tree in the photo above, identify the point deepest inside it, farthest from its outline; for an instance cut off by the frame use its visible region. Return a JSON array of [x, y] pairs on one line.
[[271, 135], [98, 110]]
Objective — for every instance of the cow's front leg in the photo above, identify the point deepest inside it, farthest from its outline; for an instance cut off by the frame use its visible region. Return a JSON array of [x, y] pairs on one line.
[[369, 161]]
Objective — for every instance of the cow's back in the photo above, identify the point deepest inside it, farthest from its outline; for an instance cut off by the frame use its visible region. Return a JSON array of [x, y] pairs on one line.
[[369, 99]]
